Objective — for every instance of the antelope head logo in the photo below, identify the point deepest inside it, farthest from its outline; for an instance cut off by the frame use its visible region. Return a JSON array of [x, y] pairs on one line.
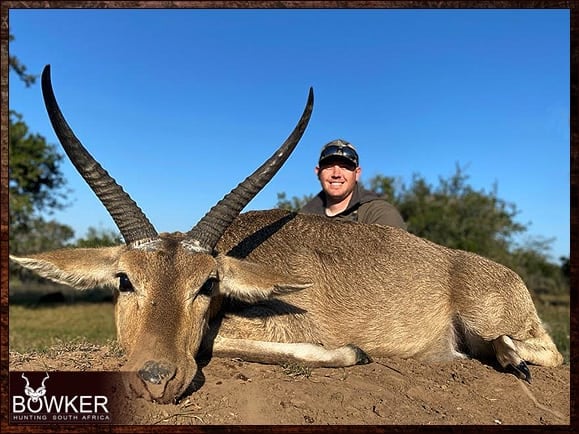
[[33, 394]]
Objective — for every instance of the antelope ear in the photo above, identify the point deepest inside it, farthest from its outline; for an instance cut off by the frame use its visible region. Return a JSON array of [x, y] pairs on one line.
[[79, 268], [249, 281]]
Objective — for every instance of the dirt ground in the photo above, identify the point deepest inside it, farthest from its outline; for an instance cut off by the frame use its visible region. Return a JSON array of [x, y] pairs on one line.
[[386, 392]]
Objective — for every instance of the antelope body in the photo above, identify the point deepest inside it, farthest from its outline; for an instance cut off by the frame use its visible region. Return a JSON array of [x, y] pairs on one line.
[[275, 286]]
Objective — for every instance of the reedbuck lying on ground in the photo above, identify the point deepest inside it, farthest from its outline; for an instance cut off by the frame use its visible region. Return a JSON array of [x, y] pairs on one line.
[[274, 287]]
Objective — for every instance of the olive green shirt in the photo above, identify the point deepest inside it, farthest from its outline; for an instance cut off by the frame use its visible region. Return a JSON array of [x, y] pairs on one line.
[[365, 207]]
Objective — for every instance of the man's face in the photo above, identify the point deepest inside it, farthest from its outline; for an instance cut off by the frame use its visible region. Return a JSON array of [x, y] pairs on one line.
[[338, 178]]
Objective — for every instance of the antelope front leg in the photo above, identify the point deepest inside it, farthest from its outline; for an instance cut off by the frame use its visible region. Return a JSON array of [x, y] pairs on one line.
[[277, 353]]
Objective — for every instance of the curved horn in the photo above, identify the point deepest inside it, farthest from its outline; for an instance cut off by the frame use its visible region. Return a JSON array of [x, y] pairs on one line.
[[205, 234], [44, 380], [129, 218], [26, 379]]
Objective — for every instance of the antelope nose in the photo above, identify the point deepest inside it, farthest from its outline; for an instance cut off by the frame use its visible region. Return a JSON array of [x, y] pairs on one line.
[[156, 372]]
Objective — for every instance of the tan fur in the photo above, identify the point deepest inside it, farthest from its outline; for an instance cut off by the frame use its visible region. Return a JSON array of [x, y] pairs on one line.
[[303, 279]]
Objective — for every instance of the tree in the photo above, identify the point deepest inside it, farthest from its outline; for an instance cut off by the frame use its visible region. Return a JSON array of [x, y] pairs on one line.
[[293, 204], [36, 184], [35, 180], [99, 238], [37, 235], [385, 186], [455, 215], [41, 236], [566, 267], [19, 68], [537, 271]]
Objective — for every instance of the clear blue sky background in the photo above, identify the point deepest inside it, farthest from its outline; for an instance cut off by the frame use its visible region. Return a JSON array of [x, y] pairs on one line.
[[181, 105]]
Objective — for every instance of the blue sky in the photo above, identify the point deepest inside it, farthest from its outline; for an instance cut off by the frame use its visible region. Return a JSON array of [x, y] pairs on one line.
[[181, 105]]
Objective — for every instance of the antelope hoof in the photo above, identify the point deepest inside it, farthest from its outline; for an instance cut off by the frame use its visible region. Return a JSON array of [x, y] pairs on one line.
[[523, 372], [361, 357]]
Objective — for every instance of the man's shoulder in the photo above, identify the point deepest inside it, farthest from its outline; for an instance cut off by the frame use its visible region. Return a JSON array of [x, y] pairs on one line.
[[314, 206], [379, 211], [365, 196], [377, 202]]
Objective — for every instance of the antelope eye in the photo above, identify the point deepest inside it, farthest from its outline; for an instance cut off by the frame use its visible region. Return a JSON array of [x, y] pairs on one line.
[[208, 287], [125, 284]]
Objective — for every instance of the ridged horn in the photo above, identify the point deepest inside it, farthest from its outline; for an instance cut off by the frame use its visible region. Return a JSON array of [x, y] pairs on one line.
[[129, 218], [205, 234]]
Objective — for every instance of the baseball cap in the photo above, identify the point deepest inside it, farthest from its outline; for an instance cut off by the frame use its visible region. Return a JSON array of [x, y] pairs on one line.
[[341, 149]]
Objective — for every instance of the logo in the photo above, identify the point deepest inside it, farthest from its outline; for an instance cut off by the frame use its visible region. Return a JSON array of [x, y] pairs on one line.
[[37, 405], [35, 395]]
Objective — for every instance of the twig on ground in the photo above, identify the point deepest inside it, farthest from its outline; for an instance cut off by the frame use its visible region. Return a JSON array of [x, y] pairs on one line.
[[389, 367], [538, 404], [185, 414]]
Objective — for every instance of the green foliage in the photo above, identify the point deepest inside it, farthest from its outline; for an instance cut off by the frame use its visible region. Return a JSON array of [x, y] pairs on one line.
[[538, 272], [35, 184], [566, 268], [385, 186], [99, 238], [456, 216], [20, 70], [35, 180], [294, 204], [39, 236]]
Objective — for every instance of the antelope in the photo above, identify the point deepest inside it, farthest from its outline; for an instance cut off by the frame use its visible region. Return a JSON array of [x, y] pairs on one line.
[[275, 286]]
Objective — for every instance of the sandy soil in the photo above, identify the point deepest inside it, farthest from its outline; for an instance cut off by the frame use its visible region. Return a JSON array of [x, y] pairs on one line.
[[387, 391]]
